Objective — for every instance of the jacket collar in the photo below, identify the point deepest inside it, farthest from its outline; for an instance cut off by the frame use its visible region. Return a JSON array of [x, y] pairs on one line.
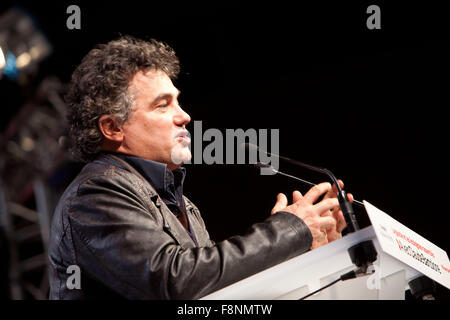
[[168, 184], [171, 223]]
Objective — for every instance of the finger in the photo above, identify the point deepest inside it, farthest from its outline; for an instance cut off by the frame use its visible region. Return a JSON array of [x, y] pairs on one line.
[[337, 214], [350, 197], [326, 223], [296, 196], [333, 192], [337, 209], [326, 205], [339, 217], [315, 192], [341, 224], [334, 189], [281, 203]]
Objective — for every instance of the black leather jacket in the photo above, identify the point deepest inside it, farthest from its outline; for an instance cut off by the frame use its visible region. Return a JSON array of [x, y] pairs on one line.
[[112, 224]]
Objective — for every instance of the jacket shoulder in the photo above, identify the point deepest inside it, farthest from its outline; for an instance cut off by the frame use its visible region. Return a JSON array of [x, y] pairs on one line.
[[105, 170], [99, 177]]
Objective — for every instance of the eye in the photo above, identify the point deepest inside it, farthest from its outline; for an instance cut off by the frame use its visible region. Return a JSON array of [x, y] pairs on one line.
[[163, 104]]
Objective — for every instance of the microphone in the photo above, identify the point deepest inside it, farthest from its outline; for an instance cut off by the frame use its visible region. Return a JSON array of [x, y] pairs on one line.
[[344, 203], [362, 254], [263, 165]]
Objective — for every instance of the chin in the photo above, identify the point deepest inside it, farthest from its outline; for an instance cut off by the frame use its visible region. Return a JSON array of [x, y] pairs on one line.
[[180, 154]]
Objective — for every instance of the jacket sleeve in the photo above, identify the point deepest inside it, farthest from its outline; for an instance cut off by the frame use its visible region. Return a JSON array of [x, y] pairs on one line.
[[118, 242]]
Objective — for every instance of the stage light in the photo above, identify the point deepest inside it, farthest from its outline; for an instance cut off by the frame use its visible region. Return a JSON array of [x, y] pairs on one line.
[[22, 44], [2, 59]]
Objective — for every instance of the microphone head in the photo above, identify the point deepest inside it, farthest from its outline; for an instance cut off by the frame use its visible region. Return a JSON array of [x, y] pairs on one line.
[[249, 146], [262, 166], [254, 150]]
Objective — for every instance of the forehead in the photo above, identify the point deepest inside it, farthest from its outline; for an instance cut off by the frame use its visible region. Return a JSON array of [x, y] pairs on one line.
[[150, 84]]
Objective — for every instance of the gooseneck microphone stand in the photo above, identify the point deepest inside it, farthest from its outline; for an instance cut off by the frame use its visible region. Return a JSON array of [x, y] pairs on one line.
[[362, 254]]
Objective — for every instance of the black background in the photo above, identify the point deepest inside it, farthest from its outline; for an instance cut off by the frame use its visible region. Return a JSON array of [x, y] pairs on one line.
[[367, 104]]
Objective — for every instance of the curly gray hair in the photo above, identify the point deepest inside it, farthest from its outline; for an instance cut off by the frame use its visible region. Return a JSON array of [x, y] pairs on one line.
[[99, 86]]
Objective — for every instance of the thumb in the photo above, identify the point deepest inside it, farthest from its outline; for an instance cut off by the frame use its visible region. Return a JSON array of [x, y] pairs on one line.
[[281, 203]]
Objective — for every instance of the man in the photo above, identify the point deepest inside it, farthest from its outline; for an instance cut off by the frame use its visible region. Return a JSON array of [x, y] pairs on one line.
[[124, 221]]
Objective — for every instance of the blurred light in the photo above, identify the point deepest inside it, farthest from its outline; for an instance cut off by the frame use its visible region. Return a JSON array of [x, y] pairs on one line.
[[22, 44], [37, 51], [2, 59], [10, 69], [23, 60], [27, 144]]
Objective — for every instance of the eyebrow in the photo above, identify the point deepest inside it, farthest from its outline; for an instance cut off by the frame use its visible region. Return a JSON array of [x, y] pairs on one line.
[[164, 96]]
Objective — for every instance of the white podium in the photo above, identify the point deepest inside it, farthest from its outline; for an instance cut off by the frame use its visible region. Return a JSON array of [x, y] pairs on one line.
[[301, 275]]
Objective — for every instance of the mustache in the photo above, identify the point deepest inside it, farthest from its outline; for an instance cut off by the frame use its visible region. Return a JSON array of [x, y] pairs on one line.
[[182, 133]]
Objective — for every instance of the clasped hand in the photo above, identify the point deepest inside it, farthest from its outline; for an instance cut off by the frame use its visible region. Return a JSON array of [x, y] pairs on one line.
[[324, 218]]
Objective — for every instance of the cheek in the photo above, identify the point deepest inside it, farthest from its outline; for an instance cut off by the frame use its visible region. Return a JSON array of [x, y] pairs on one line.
[[149, 130], [161, 130], [162, 127], [137, 130], [158, 134]]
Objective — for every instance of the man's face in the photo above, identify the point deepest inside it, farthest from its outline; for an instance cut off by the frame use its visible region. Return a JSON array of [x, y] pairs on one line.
[[156, 127]]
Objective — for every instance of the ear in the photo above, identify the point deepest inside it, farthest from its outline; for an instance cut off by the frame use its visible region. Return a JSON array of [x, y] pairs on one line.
[[110, 128]]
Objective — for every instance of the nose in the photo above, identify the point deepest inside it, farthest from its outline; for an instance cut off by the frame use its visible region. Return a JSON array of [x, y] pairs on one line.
[[181, 118]]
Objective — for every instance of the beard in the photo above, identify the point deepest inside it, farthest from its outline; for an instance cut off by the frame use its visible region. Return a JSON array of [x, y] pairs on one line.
[[181, 153]]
